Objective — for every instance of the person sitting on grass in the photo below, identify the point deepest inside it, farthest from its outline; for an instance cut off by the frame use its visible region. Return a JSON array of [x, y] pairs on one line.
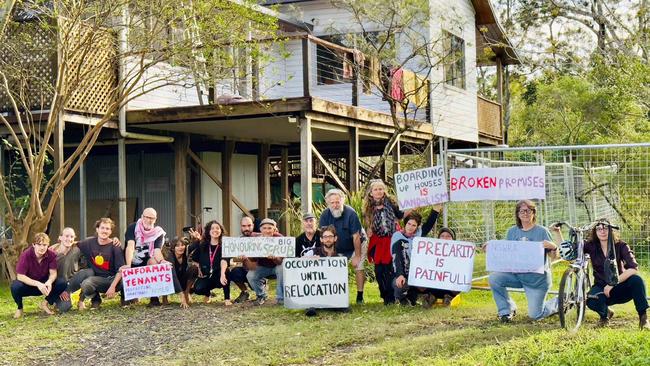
[[447, 296], [185, 272], [401, 248], [212, 267], [105, 259], [36, 276], [261, 268], [327, 248], [536, 285], [629, 286]]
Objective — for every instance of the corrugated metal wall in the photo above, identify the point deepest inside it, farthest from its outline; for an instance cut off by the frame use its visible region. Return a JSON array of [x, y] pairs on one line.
[[150, 182]]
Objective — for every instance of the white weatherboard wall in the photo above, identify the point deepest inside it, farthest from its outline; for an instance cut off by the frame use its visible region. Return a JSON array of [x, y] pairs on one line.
[[179, 92], [244, 187], [453, 110]]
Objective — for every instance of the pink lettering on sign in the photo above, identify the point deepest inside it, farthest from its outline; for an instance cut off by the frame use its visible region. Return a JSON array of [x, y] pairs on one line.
[[464, 182]]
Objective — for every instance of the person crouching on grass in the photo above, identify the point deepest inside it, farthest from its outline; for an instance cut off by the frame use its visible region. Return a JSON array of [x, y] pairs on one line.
[[36, 275], [185, 272], [327, 248], [401, 248], [212, 267]]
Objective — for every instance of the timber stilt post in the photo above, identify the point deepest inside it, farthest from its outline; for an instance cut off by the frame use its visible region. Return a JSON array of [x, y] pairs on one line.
[[353, 160], [285, 223], [226, 180], [181, 148], [263, 180], [306, 165]]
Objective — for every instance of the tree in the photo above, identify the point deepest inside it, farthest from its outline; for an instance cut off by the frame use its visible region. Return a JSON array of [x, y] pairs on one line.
[[396, 35], [191, 42]]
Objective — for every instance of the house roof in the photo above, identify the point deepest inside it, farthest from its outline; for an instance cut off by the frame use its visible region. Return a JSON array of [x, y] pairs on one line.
[[489, 33]]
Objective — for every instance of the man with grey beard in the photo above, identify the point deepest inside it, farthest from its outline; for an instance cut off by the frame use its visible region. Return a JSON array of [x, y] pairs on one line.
[[349, 232]]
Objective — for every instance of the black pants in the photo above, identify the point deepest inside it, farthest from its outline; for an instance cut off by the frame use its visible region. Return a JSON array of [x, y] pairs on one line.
[[384, 274], [20, 289], [204, 285], [631, 289]]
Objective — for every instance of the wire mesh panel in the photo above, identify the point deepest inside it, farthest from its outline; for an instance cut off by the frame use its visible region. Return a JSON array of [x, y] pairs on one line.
[[583, 183]]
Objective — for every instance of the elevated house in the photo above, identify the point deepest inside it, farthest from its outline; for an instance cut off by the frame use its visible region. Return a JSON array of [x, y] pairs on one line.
[[270, 133]]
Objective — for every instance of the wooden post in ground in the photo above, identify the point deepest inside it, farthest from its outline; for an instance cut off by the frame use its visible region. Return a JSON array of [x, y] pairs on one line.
[[263, 180], [59, 211], [306, 165], [353, 160], [181, 148], [226, 180], [285, 224]]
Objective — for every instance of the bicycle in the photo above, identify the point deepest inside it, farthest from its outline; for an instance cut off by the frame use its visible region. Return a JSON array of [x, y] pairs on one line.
[[576, 280]]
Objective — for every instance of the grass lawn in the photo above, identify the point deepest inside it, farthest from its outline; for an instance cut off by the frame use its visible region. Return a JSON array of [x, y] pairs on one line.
[[370, 334]]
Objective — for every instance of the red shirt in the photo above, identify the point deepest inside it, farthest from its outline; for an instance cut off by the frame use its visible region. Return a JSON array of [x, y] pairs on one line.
[[29, 266]]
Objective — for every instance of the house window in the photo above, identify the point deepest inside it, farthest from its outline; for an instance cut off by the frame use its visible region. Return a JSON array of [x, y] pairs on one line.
[[329, 63], [454, 63]]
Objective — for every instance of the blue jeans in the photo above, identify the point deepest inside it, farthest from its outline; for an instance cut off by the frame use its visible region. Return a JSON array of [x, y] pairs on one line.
[[256, 280], [20, 290], [535, 285]]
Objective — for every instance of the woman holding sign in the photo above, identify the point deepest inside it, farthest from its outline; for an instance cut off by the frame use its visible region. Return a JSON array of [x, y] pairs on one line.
[[380, 215], [213, 269], [536, 285]]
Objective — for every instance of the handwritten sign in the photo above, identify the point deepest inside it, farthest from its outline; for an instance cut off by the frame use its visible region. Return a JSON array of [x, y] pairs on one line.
[[512, 183], [316, 283], [258, 246], [147, 281], [515, 256], [423, 187], [441, 264]]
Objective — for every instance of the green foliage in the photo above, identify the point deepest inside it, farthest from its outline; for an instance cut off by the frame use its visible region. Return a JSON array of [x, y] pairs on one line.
[[571, 110]]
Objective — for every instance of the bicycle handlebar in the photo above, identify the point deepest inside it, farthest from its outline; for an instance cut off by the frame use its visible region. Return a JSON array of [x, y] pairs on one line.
[[586, 227]]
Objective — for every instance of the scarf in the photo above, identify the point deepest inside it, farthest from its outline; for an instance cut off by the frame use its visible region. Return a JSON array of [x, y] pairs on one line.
[[147, 236], [383, 219]]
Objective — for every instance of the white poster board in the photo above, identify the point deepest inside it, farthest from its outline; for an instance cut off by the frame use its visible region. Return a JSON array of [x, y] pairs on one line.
[[515, 256], [259, 247], [512, 183], [442, 264], [316, 282], [147, 281], [422, 187]]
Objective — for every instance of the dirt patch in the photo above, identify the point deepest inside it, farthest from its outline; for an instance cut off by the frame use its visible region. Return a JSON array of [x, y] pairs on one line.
[[126, 336]]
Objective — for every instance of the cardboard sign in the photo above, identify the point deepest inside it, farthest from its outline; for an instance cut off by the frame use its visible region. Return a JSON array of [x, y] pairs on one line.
[[316, 283], [441, 264], [147, 281], [423, 187], [515, 256], [513, 183], [259, 247]]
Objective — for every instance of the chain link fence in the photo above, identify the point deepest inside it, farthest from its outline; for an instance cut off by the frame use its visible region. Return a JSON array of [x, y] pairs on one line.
[[583, 183]]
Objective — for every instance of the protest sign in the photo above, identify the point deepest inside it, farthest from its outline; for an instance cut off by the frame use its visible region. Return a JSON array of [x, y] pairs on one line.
[[258, 247], [441, 264], [512, 183], [422, 187], [515, 256], [147, 281], [315, 282]]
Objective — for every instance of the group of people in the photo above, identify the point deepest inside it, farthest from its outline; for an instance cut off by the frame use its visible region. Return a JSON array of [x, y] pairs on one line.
[[93, 265]]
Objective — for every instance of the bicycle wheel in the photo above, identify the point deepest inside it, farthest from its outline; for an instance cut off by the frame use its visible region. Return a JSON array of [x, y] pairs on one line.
[[571, 299]]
